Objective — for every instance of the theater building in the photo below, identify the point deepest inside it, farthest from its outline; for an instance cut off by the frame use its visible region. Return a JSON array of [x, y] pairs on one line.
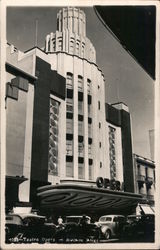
[[67, 151]]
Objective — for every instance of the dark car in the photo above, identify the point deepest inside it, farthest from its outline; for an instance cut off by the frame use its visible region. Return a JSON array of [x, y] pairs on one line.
[[77, 228], [28, 228], [139, 228]]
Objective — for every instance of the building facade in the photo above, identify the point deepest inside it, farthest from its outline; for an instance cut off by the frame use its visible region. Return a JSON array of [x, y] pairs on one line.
[[66, 148], [144, 170]]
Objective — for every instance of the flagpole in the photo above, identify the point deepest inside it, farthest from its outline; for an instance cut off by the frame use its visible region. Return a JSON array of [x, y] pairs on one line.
[[36, 35]]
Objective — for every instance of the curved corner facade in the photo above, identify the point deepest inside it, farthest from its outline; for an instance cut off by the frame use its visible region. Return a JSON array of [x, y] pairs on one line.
[[70, 35]]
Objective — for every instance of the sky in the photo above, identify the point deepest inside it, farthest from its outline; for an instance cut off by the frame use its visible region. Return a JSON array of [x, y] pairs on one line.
[[125, 79]]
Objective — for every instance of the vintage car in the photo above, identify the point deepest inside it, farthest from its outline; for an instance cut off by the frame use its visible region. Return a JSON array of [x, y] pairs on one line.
[[28, 228], [139, 228], [111, 225], [77, 228]]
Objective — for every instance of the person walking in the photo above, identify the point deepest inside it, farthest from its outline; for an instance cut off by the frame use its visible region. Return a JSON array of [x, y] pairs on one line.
[[60, 220]]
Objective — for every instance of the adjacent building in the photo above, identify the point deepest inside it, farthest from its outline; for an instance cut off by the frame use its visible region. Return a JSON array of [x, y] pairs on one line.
[[144, 177]]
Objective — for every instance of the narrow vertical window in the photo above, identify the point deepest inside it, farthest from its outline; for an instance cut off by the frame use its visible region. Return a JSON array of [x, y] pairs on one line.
[[69, 81], [99, 105], [53, 138], [88, 86], [80, 83], [112, 152]]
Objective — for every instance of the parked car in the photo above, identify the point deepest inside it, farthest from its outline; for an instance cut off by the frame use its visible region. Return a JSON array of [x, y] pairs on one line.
[[139, 228], [77, 228], [111, 225], [28, 228]]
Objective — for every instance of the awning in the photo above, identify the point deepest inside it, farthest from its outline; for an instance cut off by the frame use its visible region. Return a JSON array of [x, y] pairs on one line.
[[146, 209], [71, 197]]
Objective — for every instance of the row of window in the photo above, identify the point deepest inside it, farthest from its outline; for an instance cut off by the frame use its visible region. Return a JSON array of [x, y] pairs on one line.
[[74, 47], [69, 148], [69, 127], [81, 170], [69, 82]]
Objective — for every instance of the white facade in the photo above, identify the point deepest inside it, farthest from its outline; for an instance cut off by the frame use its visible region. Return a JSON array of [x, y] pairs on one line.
[[73, 56]]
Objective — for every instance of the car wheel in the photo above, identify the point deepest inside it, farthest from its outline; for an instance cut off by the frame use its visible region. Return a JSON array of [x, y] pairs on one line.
[[107, 234]]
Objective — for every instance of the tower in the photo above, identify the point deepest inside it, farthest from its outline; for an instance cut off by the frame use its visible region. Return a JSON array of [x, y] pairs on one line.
[[73, 56]]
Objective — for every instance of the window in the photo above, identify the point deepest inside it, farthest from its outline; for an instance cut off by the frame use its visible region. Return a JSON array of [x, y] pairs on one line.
[[88, 86], [77, 48], [103, 219], [89, 110], [112, 152], [89, 150], [89, 130], [80, 149], [100, 164], [69, 126], [80, 83], [53, 138], [99, 125], [80, 170], [83, 45], [69, 169], [100, 144], [54, 45], [90, 172], [69, 147], [69, 105], [71, 46], [80, 128], [69, 81], [99, 105], [60, 43], [80, 107]]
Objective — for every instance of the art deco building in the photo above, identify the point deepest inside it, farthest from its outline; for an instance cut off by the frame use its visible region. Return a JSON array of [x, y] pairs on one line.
[[61, 135]]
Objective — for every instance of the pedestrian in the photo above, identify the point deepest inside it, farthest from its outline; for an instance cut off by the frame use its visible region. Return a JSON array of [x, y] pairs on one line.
[[60, 220]]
